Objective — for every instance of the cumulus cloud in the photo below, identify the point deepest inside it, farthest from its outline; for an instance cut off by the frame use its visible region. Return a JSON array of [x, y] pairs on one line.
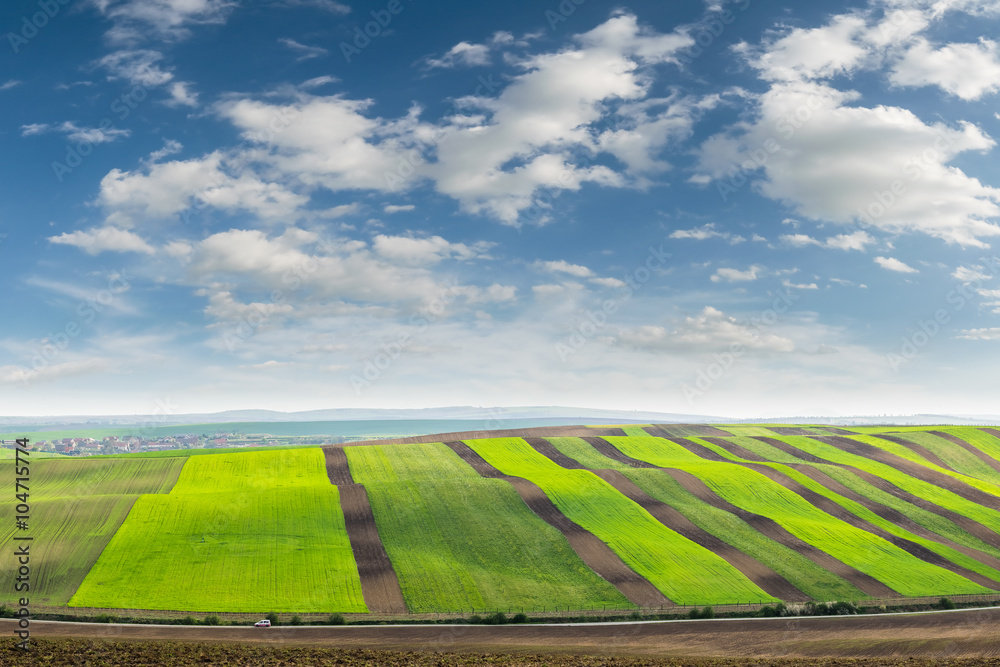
[[137, 20], [706, 231], [103, 239], [165, 189], [968, 71], [893, 264], [137, 66], [562, 266], [834, 159], [462, 54], [736, 276], [425, 251], [854, 241]]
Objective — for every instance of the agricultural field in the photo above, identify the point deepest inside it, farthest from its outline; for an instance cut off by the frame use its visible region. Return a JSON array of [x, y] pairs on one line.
[[684, 571], [76, 507], [696, 514], [458, 541], [255, 531]]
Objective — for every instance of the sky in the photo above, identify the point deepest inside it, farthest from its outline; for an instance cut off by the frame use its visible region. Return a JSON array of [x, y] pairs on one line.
[[738, 209]]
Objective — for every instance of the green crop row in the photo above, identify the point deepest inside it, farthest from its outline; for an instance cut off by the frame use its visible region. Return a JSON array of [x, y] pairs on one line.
[[684, 571], [754, 492]]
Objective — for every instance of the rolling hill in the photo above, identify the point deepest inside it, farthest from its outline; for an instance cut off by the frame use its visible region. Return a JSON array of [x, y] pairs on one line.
[[556, 517]]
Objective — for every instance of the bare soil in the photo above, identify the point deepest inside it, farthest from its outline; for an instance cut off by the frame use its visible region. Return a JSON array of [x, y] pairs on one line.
[[379, 583], [933, 636], [537, 431]]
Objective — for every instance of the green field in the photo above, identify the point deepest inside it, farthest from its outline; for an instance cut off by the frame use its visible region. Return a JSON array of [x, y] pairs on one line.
[[754, 492], [76, 507], [262, 529], [801, 572], [684, 571], [459, 541], [253, 532]]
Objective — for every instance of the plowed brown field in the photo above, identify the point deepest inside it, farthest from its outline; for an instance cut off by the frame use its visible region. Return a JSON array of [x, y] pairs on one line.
[[937, 636]]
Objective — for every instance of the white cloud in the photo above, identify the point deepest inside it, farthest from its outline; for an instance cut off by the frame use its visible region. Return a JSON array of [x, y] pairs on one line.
[[182, 95], [89, 135], [736, 276], [305, 51], [980, 334], [329, 142], [706, 231], [398, 208], [10, 83], [970, 274], [968, 71], [318, 81], [853, 241], [139, 67], [710, 330], [137, 20], [165, 189], [425, 251], [326, 5], [562, 266], [523, 140], [893, 264], [790, 284], [613, 283], [102, 239], [804, 54], [880, 166], [51, 372], [462, 54]]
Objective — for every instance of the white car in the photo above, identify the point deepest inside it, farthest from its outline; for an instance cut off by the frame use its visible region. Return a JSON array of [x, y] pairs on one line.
[[262, 624]]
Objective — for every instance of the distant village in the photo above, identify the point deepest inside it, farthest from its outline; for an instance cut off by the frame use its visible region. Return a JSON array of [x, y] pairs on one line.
[[131, 444]]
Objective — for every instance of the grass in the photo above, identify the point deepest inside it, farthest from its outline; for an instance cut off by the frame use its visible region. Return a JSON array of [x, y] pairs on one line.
[[458, 541], [684, 571], [239, 532], [801, 572], [754, 492], [76, 507]]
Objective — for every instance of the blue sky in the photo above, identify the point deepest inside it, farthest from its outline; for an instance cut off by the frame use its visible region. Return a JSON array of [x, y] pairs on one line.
[[726, 208]]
